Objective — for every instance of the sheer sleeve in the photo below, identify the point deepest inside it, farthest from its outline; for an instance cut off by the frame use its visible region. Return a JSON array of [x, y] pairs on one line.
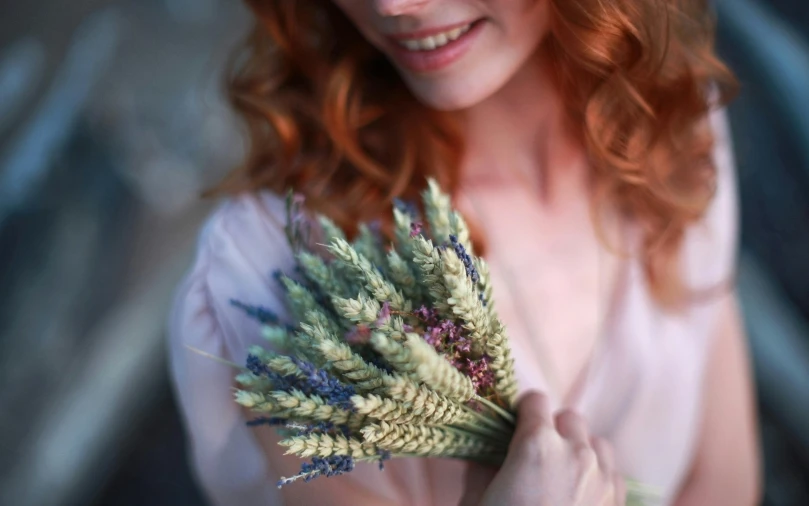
[[239, 248], [710, 247], [231, 263]]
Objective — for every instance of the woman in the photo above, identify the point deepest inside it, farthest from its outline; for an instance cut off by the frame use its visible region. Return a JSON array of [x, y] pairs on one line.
[[582, 139]]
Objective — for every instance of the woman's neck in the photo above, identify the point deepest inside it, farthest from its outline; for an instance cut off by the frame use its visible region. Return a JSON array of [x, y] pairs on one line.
[[519, 134]]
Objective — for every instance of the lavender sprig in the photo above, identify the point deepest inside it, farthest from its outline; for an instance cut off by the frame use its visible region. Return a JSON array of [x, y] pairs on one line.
[[471, 271], [310, 381], [259, 313], [272, 421], [334, 465]]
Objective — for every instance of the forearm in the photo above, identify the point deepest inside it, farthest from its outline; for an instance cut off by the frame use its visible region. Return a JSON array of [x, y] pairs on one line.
[[740, 489], [726, 464]]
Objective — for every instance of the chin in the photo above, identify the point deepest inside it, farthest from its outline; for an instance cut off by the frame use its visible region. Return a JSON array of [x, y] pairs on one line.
[[453, 96]]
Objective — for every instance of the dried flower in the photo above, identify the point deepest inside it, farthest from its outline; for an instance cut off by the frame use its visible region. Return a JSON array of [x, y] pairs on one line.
[[264, 420], [310, 381], [437, 373], [261, 314], [369, 377], [438, 208], [408, 208], [460, 250], [334, 465]]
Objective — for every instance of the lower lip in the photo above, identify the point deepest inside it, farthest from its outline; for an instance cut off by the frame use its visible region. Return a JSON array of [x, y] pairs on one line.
[[439, 58]]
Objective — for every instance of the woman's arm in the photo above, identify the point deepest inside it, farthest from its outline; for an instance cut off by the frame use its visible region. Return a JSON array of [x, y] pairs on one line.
[[725, 469]]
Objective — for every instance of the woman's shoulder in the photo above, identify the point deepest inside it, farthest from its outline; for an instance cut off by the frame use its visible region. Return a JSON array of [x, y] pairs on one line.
[[240, 246], [710, 245], [249, 224], [244, 239]]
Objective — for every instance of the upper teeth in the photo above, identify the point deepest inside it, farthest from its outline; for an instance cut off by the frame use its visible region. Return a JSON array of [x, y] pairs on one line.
[[434, 41]]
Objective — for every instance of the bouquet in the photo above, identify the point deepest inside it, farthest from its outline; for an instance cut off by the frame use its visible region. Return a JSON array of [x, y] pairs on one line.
[[398, 350]]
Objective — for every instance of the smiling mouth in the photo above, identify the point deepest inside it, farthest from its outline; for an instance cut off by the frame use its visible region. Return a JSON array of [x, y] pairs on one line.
[[434, 41], [434, 49]]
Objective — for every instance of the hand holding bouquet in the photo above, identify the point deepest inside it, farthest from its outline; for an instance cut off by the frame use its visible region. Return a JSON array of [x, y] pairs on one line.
[[398, 351]]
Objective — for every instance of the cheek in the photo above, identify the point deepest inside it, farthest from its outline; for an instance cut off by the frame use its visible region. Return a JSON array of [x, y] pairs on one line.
[[526, 23]]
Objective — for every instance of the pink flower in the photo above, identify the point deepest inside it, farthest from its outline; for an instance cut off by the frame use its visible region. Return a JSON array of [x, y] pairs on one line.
[[384, 314], [360, 334]]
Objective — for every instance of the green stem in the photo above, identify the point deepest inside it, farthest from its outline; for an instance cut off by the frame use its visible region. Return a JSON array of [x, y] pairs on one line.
[[478, 433], [493, 423], [497, 409], [214, 357]]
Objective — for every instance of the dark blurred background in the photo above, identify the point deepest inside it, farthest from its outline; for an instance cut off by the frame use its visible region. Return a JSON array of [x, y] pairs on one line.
[[111, 123]]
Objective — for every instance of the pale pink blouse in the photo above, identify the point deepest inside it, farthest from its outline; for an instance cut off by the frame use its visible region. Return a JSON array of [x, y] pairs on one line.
[[642, 391]]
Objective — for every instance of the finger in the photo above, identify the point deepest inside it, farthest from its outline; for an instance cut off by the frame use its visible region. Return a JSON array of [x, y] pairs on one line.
[[604, 454], [571, 426], [476, 481], [534, 421], [619, 484], [533, 410]]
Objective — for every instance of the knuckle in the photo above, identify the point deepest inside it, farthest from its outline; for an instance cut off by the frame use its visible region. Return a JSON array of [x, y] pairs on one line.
[[603, 450], [600, 443], [586, 459], [568, 416], [569, 421]]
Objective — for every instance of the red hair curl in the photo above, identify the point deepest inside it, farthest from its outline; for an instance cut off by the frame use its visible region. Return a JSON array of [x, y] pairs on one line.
[[328, 115]]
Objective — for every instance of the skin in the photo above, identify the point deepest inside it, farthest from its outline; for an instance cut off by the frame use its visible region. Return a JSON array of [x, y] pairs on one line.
[[548, 450], [514, 28], [515, 130]]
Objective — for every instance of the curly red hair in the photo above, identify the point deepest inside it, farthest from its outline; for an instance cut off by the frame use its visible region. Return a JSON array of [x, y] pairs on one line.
[[328, 115]]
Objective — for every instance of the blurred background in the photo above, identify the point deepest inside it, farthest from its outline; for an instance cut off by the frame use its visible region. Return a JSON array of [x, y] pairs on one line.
[[112, 122]]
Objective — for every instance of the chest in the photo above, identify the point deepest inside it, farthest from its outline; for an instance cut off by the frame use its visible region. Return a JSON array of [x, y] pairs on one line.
[[553, 279]]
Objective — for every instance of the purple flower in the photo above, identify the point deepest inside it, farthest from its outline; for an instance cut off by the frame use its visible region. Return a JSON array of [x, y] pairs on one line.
[[428, 315], [325, 427], [447, 336], [329, 466], [376, 360], [314, 382], [383, 315], [360, 334], [319, 382], [261, 314], [298, 200], [279, 382], [479, 372], [415, 228], [383, 456], [375, 227], [263, 420], [408, 208], [465, 258]]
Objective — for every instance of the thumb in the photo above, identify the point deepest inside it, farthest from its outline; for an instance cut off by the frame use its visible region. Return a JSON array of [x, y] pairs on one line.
[[533, 415], [476, 481]]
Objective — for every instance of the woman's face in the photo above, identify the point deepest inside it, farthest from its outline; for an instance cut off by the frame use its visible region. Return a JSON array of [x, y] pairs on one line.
[[452, 53]]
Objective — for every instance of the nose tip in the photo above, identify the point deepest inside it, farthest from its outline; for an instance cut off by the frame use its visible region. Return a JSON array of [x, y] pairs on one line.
[[398, 7]]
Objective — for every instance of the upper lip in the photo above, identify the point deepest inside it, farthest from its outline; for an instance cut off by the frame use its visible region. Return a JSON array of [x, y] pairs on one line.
[[427, 32]]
